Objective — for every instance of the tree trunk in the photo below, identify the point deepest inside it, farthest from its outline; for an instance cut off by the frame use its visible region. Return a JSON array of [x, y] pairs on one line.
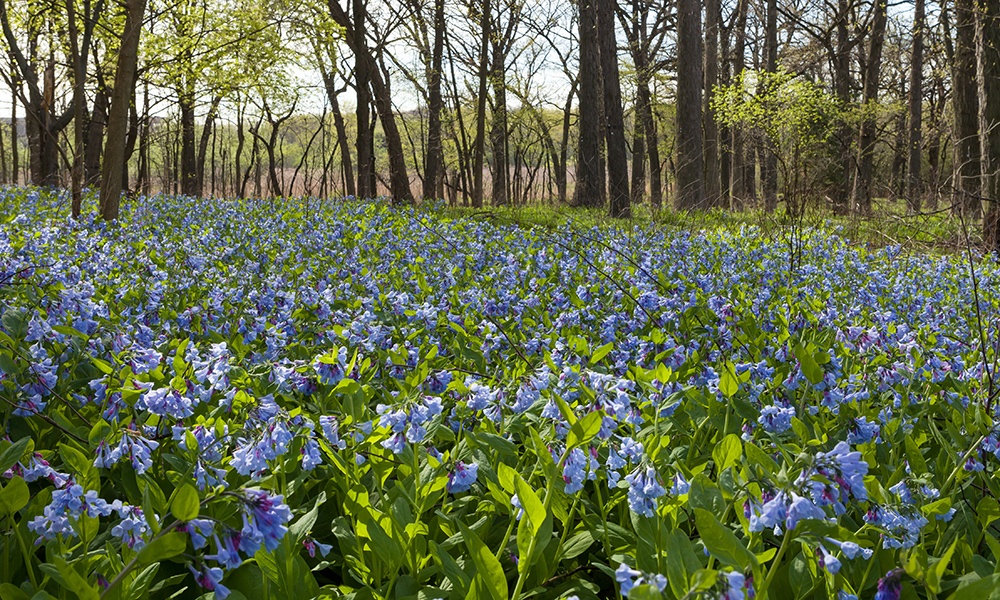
[[867, 136], [713, 187], [498, 129], [189, 158], [114, 150], [769, 170], [966, 110], [79, 59], [434, 159], [589, 191], [362, 86], [619, 200], [206, 136], [988, 47], [742, 178], [841, 176], [479, 146], [914, 188], [690, 144]]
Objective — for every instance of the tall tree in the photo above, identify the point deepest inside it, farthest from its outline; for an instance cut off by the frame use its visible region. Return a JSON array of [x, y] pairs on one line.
[[399, 180], [965, 102], [613, 111], [713, 183], [867, 136], [115, 147], [589, 191], [988, 49], [915, 104], [434, 161], [769, 170], [690, 143]]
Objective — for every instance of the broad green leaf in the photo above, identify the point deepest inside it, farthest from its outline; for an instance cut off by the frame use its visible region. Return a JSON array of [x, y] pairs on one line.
[[13, 453], [14, 496], [601, 352], [729, 383], [74, 581], [978, 590], [186, 503], [728, 452], [487, 565], [723, 543], [584, 430], [533, 507], [166, 546], [810, 368], [936, 572]]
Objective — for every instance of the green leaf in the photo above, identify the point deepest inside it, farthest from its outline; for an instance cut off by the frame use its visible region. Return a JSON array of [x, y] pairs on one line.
[[978, 590], [601, 352], [810, 368], [914, 457], [704, 494], [728, 452], [14, 496], [987, 511], [723, 543], [74, 581], [935, 573], [584, 430], [186, 503], [9, 591], [729, 383], [533, 507], [162, 548], [13, 453], [487, 565]]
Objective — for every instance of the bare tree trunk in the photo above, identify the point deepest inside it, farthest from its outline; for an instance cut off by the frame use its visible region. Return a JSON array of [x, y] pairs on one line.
[[15, 163], [114, 150], [769, 170], [613, 112], [690, 143], [206, 136], [479, 150], [862, 197], [988, 50], [713, 186], [966, 109], [434, 159], [79, 107], [498, 129], [589, 191], [95, 136], [742, 178], [365, 140], [914, 188], [842, 86]]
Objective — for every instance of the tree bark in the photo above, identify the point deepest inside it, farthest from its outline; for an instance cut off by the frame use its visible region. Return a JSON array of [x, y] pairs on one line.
[[365, 140], [690, 143], [479, 146], [769, 170], [114, 150], [589, 190], [867, 136], [713, 186], [841, 176], [498, 128], [915, 101], [966, 108], [988, 47], [434, 159], [619, 200], [399, 180]]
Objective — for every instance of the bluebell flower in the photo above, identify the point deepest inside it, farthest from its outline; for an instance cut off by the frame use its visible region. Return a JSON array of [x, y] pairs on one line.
[[462, 477], [210, 578]]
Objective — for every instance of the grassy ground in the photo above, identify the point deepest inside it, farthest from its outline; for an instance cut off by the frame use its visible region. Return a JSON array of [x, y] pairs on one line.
[[891, 225]]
